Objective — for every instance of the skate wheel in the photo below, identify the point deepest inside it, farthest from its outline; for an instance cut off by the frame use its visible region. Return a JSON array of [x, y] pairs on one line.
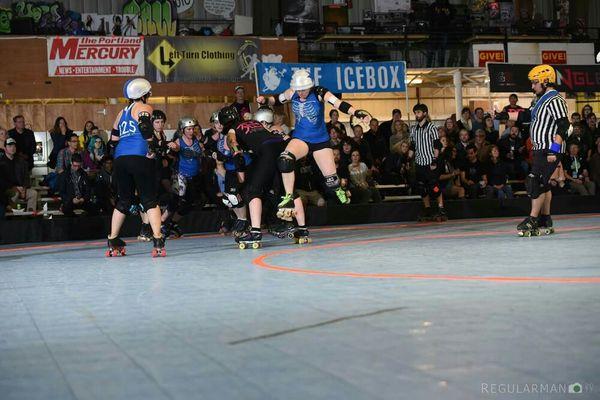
[[242, 246], [108, 253], [154, 253], [535, 233], [256, 245], [290, 235], [123, 252], [163, 253], [525, 234]]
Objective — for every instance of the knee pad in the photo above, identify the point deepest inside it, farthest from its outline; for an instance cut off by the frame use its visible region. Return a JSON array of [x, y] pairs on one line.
[[534, 186], [332, 182], [232, 200], [433, 190], [286, 162], [123, 206]]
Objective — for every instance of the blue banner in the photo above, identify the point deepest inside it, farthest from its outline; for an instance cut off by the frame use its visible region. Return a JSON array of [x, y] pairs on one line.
[[274, 78]]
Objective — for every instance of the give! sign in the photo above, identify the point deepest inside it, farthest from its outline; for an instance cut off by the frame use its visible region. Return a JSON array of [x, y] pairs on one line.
[[486, 56], [554, 56]]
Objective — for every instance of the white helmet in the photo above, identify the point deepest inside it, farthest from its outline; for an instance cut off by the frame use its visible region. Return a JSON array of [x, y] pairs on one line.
[[214, 117], [301, 80], [136, 88], [186, 122], [264, 114]]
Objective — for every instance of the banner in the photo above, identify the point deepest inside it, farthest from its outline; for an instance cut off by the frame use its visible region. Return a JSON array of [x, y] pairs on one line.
[[201, 59], [275, 78], [570, 78], [95, 56], [485, 53]]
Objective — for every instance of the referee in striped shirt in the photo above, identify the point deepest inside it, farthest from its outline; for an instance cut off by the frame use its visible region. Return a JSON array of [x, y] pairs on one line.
[[548, 131], [425, 143]]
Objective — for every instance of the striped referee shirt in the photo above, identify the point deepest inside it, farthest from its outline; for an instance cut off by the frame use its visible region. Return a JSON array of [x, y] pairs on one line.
[[543, 126], [423, 139]]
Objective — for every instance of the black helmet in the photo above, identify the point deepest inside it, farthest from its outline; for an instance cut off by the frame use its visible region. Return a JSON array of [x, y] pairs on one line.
[[157, 114], [228, 116]]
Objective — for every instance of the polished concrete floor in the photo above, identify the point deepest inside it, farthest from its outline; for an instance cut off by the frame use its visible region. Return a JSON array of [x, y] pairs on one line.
[[460, 310]]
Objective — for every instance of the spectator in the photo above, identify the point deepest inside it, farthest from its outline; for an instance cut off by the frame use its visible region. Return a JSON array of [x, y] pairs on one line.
[[497, 170], [483, 147], [576, 173], [585, 111], [362, 145], [399, 133], [593, 132], [3, 137], [473, 177], [241, 104], [513, 152], [74, 187], [58, 134], [363, 188], [491, 134], [478, 119], [595, 164], [105, 188], [461, 146], [581, 139], [451, 129], [575, 118], [86, 134], [98, 150], [396, 166], [16, 173], [63, 160], [348, 146], [450, 175], [334, 116], [307, 182], [512, 106], [377, 143], [279, 121], [387, 128], [335, 137], [507, 127], [25, 140], [465, 121]]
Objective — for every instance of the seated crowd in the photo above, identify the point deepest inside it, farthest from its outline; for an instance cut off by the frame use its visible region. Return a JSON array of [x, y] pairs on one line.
[[477, 161]]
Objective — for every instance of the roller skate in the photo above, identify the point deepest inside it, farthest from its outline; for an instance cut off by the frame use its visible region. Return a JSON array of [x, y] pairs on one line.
[[283, 230], [285, 208], [250, 239], [175, 231], [529, 227], [116, 247], [341, 195], [545, 224], [239, 227], [145, 233], [159, 247], [301, 235], [441, 215], [426, 215]]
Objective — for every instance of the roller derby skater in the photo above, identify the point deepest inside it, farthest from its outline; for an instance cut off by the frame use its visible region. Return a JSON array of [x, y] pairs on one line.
[[425, 143], [134, 171], [548, 131], [310, 136]]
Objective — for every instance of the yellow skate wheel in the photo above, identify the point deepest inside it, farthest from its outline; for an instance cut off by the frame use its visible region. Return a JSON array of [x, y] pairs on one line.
[[255, 245], [242, 246]]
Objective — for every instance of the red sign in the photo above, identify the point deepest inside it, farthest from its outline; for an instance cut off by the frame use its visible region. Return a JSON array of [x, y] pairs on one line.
[[486, 56], [554, 57], [95, 56]]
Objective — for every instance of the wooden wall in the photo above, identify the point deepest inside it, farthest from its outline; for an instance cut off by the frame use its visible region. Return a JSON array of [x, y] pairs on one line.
[[25, 75]]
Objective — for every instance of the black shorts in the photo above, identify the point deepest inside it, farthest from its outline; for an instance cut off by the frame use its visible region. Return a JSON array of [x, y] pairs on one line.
[[136, 173], [262, 173], [542, 168], [425, 175], [312, 147]]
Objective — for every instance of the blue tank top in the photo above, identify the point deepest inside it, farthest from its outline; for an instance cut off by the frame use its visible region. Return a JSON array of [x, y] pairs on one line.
[[131, 142], [310, 120], [189, 158]]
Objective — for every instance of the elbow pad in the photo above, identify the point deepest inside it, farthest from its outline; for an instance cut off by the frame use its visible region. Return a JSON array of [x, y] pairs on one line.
[[145, 125], [344, 107], [563, 128]]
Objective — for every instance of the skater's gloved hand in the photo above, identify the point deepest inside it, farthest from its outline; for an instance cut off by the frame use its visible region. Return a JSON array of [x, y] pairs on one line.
[[363, 115]]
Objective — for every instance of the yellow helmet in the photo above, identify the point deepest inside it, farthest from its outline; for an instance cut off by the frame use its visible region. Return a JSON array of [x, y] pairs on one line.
[[542, 73]]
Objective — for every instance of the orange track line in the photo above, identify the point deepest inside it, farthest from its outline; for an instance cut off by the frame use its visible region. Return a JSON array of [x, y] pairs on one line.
[[261, 263]]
